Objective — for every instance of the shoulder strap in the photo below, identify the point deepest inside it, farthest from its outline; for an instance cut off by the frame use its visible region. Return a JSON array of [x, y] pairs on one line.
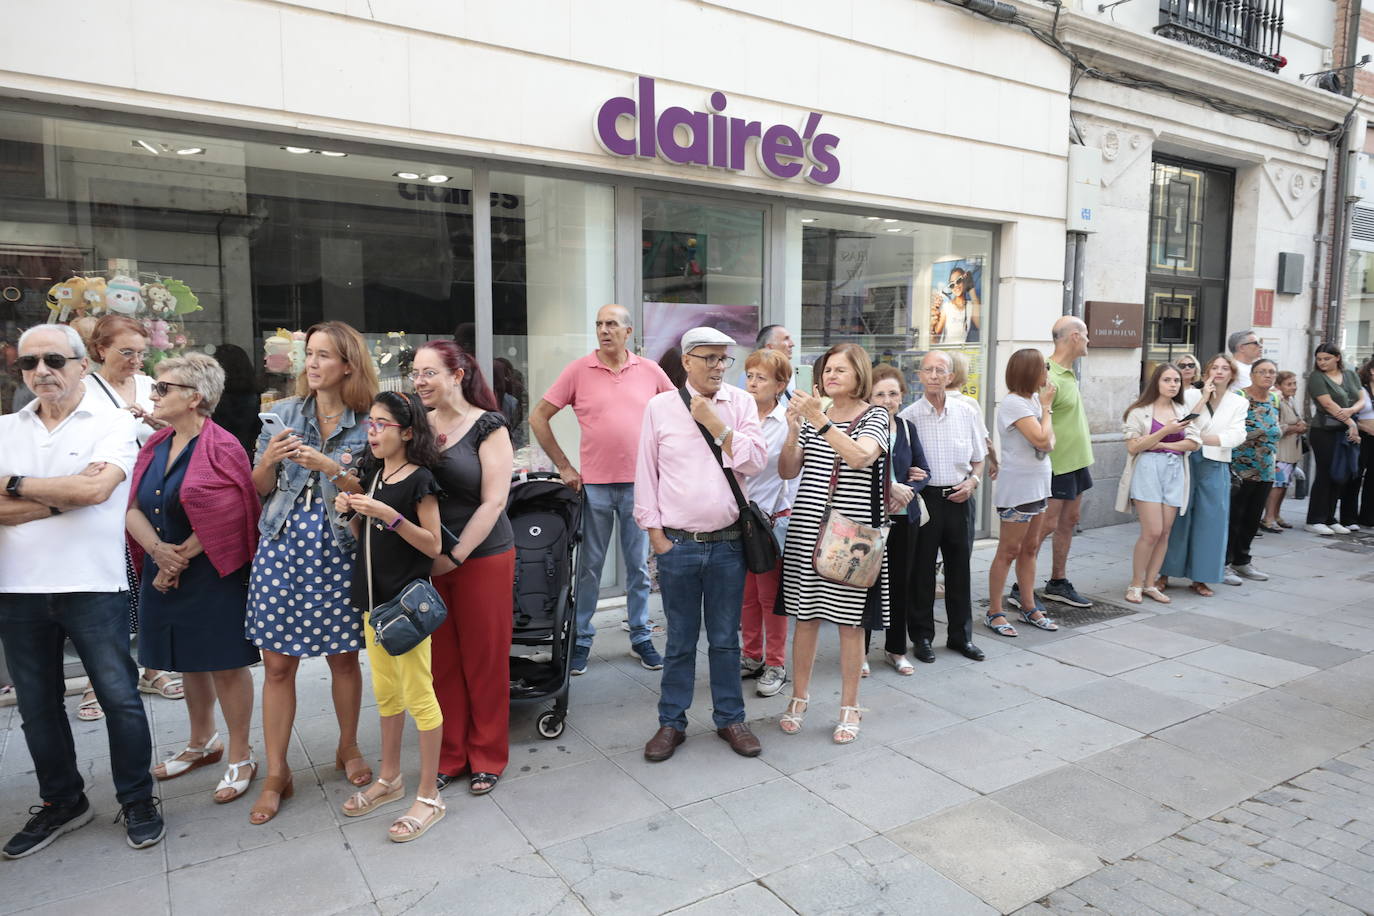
[[367, 544], [105, 387], [715, 450]]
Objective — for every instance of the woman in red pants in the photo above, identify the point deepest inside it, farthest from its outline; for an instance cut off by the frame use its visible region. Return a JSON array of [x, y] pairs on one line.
[[471, 650]]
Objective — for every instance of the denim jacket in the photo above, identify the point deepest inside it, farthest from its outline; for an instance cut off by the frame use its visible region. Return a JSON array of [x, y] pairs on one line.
[[347, 446]]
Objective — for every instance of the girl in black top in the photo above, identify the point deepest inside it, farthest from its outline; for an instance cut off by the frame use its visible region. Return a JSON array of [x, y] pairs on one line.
[[397, 525]]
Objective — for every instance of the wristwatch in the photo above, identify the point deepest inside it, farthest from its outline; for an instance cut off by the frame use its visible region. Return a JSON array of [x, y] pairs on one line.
[[720, 440], [12, 487]]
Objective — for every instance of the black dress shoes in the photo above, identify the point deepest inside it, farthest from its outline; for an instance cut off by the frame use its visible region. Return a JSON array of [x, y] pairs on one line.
[[967, 650], [923, 652]]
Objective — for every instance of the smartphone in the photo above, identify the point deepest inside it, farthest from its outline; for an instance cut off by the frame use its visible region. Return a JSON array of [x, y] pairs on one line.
[[1189, 417], [271, 423]]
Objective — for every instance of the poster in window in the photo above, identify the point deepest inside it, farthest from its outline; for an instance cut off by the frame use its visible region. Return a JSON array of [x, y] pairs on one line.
[[956, 298], [666, 322]]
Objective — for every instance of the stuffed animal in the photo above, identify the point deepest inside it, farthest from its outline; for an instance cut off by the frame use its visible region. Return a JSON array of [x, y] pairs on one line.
[[157, 334], [297, 352], [93, 299], [64, 298], [159, 298], [277, 352], [123, 296]]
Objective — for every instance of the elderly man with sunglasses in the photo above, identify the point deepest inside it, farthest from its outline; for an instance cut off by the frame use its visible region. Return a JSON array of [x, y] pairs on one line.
[[64, 473]]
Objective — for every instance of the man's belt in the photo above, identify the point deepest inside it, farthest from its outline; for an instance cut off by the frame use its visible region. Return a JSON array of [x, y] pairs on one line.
[[724, 534]]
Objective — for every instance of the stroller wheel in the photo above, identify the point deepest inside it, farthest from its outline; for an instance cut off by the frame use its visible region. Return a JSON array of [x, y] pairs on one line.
[[549, 724]]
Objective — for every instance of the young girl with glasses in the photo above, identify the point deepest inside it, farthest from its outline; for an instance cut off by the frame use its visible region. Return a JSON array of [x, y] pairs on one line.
[[397, 524]]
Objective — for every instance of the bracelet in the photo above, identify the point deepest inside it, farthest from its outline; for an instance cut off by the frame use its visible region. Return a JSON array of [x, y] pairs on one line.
[[343, 471], [825, 429], [396, 522]]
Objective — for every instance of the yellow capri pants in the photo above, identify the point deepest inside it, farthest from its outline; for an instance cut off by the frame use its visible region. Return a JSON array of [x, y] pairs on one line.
[[403, 683]]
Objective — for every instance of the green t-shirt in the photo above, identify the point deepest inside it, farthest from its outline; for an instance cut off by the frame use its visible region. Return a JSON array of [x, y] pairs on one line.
[[1072, 444]]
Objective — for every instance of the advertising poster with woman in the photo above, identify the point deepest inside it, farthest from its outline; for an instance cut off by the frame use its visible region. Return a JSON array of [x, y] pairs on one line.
[[956, 301]]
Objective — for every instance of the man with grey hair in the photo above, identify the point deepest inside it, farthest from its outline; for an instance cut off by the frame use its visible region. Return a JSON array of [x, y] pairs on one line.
[[1245, 349], [607, 391], [774, 337], [64, 472]]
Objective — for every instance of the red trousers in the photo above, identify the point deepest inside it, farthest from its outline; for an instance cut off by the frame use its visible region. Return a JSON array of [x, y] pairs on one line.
[[471, 663], [765, 633]]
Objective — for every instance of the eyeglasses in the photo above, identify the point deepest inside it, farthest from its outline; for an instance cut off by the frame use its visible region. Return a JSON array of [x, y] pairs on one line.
[[162, 389], [935, 370], [133, 356], [377, 426], [713, 361], [427, 375], [1187, 365], [51, 360]]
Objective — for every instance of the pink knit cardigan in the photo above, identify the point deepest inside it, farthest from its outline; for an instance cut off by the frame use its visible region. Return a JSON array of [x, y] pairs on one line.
[[217, 494]]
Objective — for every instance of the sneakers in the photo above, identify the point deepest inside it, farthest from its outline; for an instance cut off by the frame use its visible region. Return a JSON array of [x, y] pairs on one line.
[[771, 680], [750, 667], [648, 656], [578, 665], [1062, 590], [47, 824], [1318, 528], [1353, 529], [143, 822], [1230, 578], [1248, 571], [1339, 529]]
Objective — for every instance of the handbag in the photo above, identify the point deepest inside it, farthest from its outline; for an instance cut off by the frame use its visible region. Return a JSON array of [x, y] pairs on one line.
[[849, 552], [761, 553], [407, 620], [1345, 462]]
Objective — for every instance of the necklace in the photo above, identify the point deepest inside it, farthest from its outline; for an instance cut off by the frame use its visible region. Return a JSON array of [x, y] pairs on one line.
[[386, 478], [331, 416], [444, 437]]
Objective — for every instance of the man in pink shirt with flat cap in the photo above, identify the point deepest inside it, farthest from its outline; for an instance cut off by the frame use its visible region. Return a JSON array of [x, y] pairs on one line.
[[684, 502]]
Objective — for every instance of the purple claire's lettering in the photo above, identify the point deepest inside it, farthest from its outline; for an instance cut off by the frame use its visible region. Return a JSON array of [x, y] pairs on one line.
[[711, 139]]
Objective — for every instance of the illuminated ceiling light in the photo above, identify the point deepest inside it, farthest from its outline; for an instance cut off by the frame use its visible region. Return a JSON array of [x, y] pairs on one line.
[[889, 220], [894, 230], [331, 153], [437, 179], [407, 176], [144, 144], [808, 219], [190, 151], [871, 218], [296, 149]]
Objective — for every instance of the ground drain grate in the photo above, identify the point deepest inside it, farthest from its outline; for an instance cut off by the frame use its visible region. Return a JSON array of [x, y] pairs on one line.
[[1351, 547], [1070, 617]]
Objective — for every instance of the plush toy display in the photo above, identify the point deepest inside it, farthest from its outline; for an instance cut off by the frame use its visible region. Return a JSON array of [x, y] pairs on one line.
[[65, 297], [123, 296], [277, 352], [158, 335], [159, 299], [93, 297], [297, 352]]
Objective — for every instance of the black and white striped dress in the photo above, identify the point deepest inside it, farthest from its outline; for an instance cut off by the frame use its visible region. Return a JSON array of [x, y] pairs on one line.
[[806, 596]]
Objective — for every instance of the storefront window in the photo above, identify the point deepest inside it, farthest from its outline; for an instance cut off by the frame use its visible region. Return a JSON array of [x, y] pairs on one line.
[[702, 264], [895, 287], [233, 246], [1357, 330]]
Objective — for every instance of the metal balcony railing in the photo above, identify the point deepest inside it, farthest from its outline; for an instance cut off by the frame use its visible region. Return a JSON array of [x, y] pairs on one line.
[[1248, 31]]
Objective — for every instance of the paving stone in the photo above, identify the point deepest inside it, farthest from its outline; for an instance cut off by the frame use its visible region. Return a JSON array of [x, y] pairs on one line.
[[142, 895], [1296, 649], [1154, 639], [651, 865], [1096, 654], [1297, 718], [1264, 901], [1089, 809], [574, 801], [1065, 732], [872, 876], [1200, 626], [1038, 674], [980, 758], [1265, 670], [525, 886], [1177, 778], [883, 788], [748, 823], [966, 692], [1243, 745], [1019, 861], [1131, 705], [746, 900], [1189, 682], [678, 781]]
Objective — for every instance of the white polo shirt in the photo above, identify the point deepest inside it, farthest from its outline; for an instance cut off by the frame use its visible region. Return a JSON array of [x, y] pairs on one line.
[[81, 550]]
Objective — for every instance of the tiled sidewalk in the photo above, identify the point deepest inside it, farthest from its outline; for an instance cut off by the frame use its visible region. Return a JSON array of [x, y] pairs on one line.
[[1118, 761]]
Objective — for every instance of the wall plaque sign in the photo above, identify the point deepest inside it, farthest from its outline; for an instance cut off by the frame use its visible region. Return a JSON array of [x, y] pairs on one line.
[[1116, 325]]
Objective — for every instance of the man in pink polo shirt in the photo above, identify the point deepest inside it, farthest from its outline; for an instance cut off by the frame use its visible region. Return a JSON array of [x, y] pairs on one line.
[[607, 391], [684, 502]]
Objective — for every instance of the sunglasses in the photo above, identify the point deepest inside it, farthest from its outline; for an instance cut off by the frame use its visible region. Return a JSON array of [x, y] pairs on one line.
[[377, 426], [1187, 365], [51, 360], [162, 389]]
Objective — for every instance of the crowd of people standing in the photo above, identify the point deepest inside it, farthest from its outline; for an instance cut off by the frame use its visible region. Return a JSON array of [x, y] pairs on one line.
[[219, 561]]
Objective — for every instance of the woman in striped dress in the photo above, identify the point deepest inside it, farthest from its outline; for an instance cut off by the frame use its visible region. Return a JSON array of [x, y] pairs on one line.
[[856, 433]]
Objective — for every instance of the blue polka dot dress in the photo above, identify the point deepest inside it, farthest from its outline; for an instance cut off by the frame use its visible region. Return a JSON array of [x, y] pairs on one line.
[[298, 599]]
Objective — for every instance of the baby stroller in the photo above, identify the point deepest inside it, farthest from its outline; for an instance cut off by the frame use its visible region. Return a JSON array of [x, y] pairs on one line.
[[546, 517]]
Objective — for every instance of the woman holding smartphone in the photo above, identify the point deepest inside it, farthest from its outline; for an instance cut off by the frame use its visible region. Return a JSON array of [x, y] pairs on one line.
[[298, 600]]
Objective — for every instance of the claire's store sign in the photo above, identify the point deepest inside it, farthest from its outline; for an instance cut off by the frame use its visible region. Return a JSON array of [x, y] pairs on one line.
[[634, 127]]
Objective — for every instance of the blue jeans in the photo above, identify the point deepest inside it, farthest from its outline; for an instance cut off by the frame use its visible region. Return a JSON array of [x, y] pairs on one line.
[[701, 581], [32, 630], [604, 504]]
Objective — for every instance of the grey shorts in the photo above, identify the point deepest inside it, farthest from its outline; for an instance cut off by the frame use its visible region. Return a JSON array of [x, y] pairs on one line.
[[1160, 478]]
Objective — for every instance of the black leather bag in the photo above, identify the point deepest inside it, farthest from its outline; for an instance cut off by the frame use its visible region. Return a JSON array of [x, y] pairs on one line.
[[407, 620], [761, 553]]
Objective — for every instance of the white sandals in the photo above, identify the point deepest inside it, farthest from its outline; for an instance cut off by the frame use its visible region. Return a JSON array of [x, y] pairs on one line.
[[234, 779], [415, 828], [791, 721], [847, 731], [201, 756], [395, 791], [900, 662]]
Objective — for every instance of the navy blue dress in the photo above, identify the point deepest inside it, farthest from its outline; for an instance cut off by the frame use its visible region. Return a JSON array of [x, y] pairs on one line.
[[199, 625]]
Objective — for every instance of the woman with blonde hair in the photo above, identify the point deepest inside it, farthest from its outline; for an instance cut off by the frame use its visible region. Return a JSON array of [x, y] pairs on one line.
[[1190, 369], [298, 603]]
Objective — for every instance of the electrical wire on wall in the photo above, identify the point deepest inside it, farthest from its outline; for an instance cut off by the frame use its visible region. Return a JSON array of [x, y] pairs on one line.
[[1005, 12]]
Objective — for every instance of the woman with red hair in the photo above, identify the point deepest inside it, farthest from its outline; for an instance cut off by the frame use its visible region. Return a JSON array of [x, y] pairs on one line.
[[471, 649]]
